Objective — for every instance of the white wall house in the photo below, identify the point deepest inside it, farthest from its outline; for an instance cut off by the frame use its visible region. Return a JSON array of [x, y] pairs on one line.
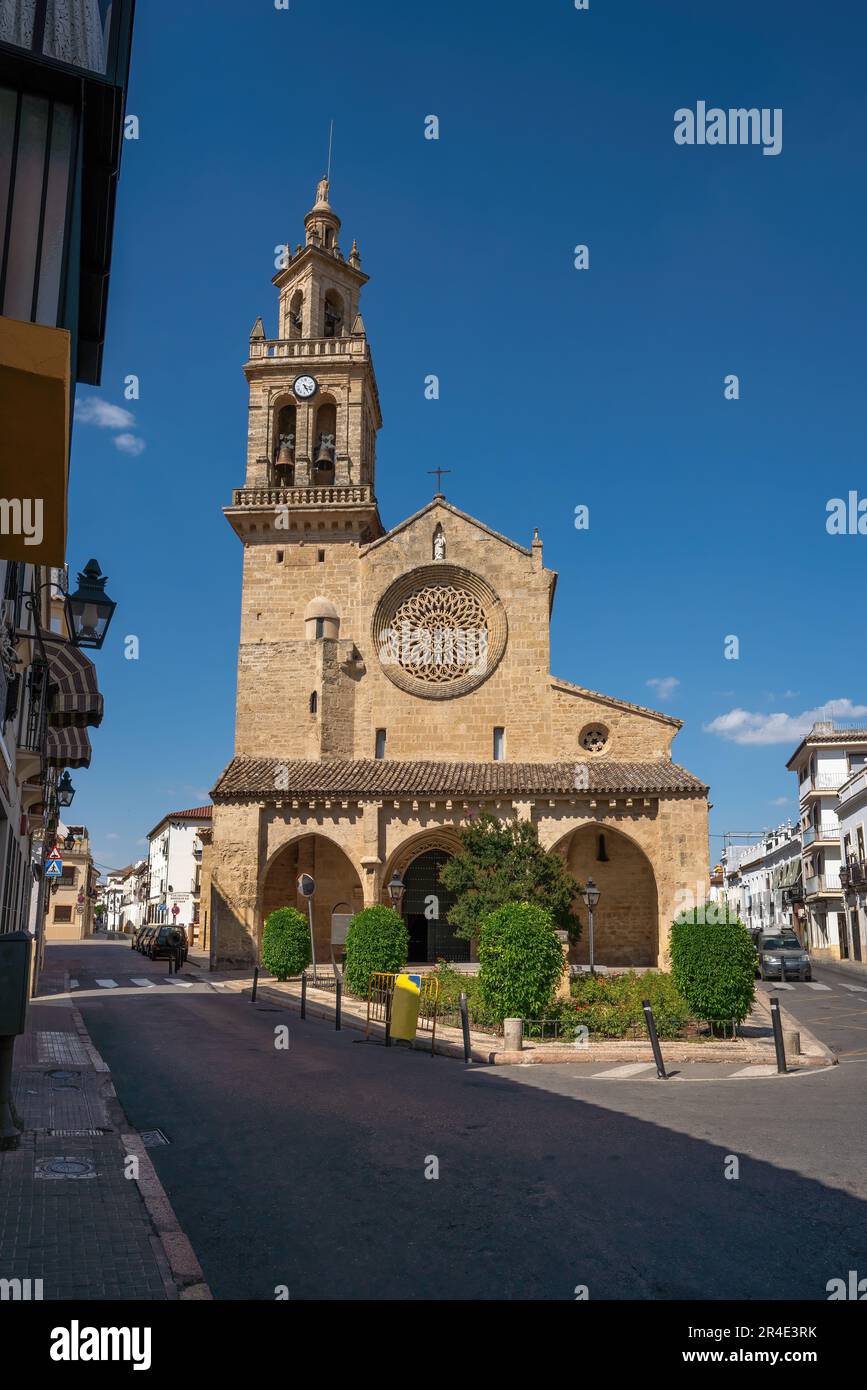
[[763, 880], [852, 815], [829, 756], [174, 868]]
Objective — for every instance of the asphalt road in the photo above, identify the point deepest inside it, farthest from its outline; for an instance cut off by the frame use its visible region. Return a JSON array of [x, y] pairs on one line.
[[305, 1167], [834, 1007]]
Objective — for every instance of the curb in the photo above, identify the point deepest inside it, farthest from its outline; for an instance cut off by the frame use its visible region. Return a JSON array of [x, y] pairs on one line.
[[794, 1024], [176, 1248]]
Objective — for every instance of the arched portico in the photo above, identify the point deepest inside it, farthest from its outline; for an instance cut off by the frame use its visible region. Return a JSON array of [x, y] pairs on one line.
[[626, 918], [338, 884], [426, 902]]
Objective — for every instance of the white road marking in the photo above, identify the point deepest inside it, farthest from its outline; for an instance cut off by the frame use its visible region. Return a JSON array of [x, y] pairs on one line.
[[141, 980], [184, 984], [753, 1071], [780, 985], [73, 984], [107, 984], [814, 984], [628, 1069], [857, 989]]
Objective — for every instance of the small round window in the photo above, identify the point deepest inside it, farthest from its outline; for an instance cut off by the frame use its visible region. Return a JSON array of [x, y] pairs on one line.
[[594, 738]]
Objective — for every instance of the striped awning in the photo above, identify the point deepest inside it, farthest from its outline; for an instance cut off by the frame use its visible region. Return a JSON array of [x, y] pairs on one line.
[[67, 747], [75, 697]]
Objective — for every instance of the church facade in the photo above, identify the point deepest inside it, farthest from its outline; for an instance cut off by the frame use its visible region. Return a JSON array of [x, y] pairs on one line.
[[392, 684]]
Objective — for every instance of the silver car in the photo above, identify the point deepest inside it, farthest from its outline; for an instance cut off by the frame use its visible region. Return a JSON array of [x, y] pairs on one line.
[[782, 958]]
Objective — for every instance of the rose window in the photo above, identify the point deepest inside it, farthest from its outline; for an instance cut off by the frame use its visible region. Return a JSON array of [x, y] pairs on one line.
[[594, 738], [439, 631]]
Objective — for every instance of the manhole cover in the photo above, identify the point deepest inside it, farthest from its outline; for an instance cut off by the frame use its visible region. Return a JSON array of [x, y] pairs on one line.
[[64, 1078], [66, 1167], [151, 1138]]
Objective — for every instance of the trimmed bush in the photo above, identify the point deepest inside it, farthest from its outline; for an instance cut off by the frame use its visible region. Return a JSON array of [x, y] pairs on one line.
[[286, 943], [713, 966], [610, 1006], [377, 940], [521, 960]]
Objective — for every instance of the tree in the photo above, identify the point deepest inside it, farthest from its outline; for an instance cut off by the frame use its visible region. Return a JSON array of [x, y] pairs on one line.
[[377, 939], [503, 862], [521, 961], [286, 943], [713, 965]]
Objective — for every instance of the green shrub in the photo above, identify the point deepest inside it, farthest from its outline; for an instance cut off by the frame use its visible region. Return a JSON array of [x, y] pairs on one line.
[[610, 1006], [713, 966], [377, 940], [286, 943], [520, 959]]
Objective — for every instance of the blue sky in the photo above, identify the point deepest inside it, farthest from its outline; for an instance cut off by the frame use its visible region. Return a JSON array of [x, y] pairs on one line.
[[558, 387]]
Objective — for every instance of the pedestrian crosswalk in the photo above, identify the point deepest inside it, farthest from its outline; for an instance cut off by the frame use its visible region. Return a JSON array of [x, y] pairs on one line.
[[139, 981]]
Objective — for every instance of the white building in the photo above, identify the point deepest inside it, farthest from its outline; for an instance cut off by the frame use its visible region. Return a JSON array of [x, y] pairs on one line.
[[830, 756], [111, 894], [174, 868], [763, 880], [852, 815]]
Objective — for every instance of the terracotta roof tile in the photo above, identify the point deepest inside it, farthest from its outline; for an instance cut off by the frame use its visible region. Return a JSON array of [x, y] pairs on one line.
[[273, 777]]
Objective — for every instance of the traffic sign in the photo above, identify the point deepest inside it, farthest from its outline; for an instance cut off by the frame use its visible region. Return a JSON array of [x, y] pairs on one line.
[[54, 868], [54, 854], [175, 910]]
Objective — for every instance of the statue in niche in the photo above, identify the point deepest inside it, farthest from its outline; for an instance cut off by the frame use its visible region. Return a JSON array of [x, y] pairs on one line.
[[439, 544]]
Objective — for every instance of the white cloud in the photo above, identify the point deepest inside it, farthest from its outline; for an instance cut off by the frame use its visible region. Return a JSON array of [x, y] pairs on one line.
[[791, 694], [112, 836], [95, 411], [780, 801], [664, 686], [743, 726], [129, 443]]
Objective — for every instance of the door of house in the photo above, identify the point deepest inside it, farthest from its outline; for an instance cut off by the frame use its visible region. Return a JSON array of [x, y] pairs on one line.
[[426, 907]]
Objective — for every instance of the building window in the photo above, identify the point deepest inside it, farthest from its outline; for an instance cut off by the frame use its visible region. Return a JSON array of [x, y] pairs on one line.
[[320, 556], [279, 557], [320, 627], [499, 745], [594, 739], [63, 914], [380, 743], [314, 702]]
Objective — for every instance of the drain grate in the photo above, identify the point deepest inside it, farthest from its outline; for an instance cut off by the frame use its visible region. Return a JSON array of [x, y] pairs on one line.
[[65, 1167], [64, 1078], [76, 1133], [152, 1138]]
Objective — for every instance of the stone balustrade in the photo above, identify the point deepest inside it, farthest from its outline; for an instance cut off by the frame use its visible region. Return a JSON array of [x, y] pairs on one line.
[[300, 496], [275, 348]]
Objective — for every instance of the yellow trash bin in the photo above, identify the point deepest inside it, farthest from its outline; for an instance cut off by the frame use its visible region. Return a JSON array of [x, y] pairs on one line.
[[404, 1007]]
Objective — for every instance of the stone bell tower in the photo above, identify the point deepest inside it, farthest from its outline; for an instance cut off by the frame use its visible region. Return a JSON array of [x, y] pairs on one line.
[[314, 405]]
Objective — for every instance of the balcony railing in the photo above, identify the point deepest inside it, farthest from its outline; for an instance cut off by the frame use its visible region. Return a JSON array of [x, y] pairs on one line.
[[828, 830], [824, 782], [300, 496], [853, 875], [822, 883], [309, 347]]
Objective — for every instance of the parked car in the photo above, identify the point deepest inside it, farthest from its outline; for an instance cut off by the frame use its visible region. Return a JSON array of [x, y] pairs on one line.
[[145, 939], [782, 957], [167, 940], [135, 943]]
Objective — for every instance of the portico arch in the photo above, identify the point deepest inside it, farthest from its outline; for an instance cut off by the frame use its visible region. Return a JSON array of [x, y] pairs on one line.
[[426, 902], [338, 884], [626, 918]]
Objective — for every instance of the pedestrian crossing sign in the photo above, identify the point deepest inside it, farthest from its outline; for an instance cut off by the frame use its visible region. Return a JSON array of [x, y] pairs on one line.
[[54, 868]]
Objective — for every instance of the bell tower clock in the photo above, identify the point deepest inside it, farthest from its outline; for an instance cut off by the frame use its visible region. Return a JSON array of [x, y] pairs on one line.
[[314, 406]]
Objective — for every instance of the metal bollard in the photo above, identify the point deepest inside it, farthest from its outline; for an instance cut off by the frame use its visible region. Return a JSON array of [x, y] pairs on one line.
[[304, 994], [654, 1040], [255, 984], [388, 999], [779, 1045], [338, 1001], [465, 1025]]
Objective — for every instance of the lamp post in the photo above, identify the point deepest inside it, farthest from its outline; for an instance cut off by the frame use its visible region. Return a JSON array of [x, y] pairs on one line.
[[396, 889], [590, 894], [65, 790], [89, 610]]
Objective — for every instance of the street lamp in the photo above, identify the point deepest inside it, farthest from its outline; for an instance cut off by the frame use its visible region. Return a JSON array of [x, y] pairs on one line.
[[65, 790], [590, 894], [396, 889], [89, 610]]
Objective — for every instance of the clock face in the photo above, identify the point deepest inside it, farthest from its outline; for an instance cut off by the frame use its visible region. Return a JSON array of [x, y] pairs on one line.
[[305, 387]]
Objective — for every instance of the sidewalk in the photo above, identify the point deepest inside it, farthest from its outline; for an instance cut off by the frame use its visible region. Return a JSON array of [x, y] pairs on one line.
[[69, 1215], [755, 1046]]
